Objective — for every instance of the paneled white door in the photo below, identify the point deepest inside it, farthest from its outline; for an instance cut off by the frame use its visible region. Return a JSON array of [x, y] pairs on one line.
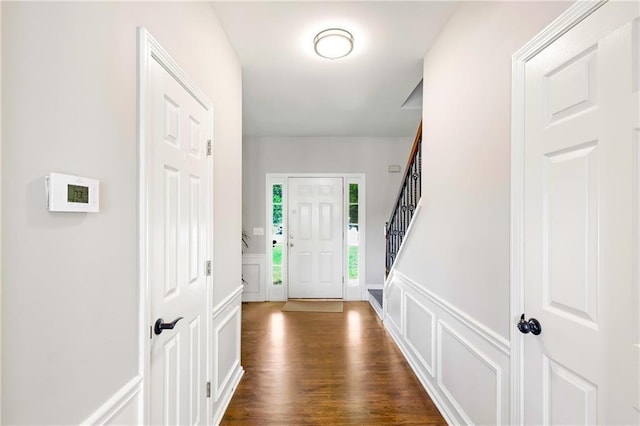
[[581, 165], [179, 230], [315, 238]]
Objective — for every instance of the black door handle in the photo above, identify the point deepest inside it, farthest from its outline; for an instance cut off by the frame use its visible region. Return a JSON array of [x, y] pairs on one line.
[[533, 326], [159, 325]]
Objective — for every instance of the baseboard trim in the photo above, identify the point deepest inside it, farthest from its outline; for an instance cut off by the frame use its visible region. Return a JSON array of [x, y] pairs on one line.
[[117, 402], [226, 397], [377, 309], [426, 384]]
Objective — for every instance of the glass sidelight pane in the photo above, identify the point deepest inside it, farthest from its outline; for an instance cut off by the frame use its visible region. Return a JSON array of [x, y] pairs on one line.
[[353, 193], [277, 275], [277, 194], [277, 214], [353, 213], [353, 263], [277, 255]]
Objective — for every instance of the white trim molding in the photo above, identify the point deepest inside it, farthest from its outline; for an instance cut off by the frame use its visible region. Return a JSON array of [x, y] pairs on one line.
[[250, 263], [431, 326], [495, 339], [226, 302], [219, 386], [569, 19], [226, 368], [116, 403], [408, 303], [484, 359]]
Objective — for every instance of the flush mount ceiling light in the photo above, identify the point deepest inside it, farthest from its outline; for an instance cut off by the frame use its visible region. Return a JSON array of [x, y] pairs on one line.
[[333, 43]]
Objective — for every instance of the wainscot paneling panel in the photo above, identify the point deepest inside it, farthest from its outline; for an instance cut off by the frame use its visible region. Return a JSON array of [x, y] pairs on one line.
[[253, 275], [393, 305], [420, 332], [469, 379], [226, 368], [462, 363], [227, 355], [122, 408]]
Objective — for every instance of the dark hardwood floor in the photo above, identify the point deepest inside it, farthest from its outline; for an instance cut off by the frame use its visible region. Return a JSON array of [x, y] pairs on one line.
[[307, 368]]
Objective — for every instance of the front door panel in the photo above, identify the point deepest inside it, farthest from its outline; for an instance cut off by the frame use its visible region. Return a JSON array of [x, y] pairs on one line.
[[315, 238]]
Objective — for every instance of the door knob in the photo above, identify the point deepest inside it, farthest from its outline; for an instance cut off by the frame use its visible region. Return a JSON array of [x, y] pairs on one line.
[[159, 325], [533, 326]]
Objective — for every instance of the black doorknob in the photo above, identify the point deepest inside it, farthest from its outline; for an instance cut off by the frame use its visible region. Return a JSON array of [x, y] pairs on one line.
[[159, 325], [533, 326]]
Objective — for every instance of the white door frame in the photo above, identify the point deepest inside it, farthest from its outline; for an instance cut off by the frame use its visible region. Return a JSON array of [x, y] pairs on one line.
[[355, 293], [150, 50], [1, 341], [570, 18]]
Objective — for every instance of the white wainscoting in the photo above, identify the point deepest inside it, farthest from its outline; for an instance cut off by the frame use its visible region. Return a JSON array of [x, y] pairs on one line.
[[392, 305], [226, 370], [253, 274], [122, 408], [462, 364], [420, 333]]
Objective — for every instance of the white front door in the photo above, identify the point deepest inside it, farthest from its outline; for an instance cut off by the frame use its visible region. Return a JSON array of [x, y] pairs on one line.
[[581, 114], [179, 233], [315, 238]]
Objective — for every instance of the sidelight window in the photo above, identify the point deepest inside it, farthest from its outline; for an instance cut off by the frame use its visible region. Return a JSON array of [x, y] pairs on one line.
[[277, 236], [353, 236]]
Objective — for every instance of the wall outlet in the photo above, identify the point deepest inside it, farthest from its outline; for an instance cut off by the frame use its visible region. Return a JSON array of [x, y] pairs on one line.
[[258, 231]]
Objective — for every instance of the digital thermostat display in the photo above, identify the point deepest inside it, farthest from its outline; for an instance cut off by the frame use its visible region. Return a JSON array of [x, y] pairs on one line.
[[67, 193], [77, 194]]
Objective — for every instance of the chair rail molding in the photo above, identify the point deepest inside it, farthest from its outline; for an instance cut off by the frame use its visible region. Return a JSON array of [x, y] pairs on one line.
[[445, 337], [117, 403]]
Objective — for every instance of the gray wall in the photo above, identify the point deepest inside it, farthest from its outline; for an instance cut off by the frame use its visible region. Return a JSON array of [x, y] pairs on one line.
[[328, 155], [459, 249], [70, 286]]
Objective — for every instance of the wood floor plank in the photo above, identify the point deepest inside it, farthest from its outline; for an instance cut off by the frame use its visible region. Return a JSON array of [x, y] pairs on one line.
[[309, 368]]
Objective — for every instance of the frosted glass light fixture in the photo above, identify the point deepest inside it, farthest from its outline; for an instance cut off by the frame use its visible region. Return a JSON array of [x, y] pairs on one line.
[[333, 43]]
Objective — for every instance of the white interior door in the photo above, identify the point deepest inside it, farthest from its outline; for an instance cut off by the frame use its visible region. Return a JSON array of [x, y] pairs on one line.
[[179, 198], [580, 118], [315, 238]]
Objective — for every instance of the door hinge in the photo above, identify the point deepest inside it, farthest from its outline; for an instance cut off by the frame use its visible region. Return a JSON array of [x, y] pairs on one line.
[[209, 148], [208, 268], [208, 389]]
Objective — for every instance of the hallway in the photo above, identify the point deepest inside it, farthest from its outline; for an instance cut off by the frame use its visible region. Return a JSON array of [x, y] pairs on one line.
[[324, 368]]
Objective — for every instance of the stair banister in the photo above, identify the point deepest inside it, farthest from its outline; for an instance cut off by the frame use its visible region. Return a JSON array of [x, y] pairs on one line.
[[406, 202]]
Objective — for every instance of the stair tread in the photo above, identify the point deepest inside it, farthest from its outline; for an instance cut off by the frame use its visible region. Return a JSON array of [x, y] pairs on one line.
[[377, 295]]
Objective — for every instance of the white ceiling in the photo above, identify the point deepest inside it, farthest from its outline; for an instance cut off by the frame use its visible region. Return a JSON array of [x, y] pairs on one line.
[[289, 91]]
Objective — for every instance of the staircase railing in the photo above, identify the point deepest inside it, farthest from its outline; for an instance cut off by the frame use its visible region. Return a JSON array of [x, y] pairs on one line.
[[406, 203]]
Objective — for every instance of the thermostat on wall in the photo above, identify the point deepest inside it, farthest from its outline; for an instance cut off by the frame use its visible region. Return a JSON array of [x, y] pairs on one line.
[[66, 193]]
